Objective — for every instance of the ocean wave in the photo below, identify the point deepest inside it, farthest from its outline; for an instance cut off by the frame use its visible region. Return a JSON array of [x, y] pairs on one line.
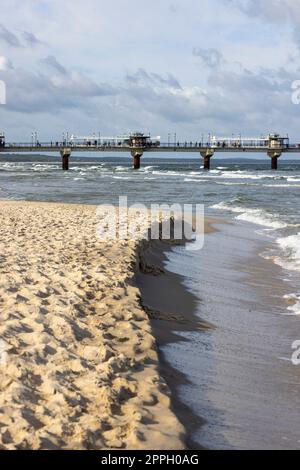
[[231, 183], [167, 173], [193, 180], [95, 167], [293, 179], [76, 168], [44, 167], [121, 177], [14, 166], [294, 303], [122, 169], [281, 185], [255, 216], [290, 252], [147, 168], [239, 174]]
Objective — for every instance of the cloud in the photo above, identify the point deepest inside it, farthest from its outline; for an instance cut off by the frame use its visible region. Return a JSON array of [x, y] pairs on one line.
[[143, 78], [211, 57], [5, 64], [47, 91], [26, 38], [275, 11], [10, 38], [173, 8], [52, 62], [30, 39], [162, 96], [232, 100]]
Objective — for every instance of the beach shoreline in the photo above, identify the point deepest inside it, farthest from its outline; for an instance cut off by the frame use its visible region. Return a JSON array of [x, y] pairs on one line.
[[70, 379], [172, 310]]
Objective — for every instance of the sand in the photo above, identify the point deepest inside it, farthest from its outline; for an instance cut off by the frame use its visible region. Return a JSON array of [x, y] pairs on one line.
[[78, 365]]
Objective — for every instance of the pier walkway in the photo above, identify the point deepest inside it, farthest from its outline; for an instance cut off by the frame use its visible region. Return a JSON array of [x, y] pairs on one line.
[[137, 144]]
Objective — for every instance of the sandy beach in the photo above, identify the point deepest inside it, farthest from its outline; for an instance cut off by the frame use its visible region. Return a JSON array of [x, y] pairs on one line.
[[79, 364]]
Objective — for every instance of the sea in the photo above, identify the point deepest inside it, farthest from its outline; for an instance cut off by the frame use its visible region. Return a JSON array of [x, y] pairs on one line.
[[243, 375]]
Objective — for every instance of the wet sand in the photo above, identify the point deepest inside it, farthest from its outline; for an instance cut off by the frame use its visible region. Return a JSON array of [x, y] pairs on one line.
[[172, 308]]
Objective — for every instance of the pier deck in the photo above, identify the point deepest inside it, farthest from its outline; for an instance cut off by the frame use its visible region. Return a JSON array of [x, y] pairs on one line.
[[207, 151]]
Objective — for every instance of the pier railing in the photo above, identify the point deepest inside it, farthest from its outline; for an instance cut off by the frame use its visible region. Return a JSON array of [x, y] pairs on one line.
[[177, 145]]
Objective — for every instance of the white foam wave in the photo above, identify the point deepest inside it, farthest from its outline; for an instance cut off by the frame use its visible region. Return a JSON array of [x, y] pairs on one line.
[[193, 180], [41, 167], [167, 173], [294, 303], [227, 183], [122, 169], [213, 172], [76, 168], [255, 216], [281, 185], [290, 248], [121, 177], [293, 179], [147, 168], [239, 174]]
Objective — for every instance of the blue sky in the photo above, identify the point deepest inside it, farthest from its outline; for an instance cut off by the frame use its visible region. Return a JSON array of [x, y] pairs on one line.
[[184, 66]]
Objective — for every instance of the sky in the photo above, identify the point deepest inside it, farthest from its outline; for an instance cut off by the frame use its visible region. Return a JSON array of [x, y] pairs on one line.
[[189, 67]]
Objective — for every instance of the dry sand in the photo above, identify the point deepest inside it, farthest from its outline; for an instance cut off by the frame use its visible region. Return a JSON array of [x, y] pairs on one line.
[[79, 366]]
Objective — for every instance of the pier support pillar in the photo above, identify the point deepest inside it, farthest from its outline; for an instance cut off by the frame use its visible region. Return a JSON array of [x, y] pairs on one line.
[[136, 155], [206, 155], [206, 162], [274, 155], [65, 155], [274, 161]]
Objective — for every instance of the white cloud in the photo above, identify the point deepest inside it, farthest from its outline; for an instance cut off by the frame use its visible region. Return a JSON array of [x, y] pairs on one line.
[[9, 37], [211, 57], [4, 64], [276, 11]]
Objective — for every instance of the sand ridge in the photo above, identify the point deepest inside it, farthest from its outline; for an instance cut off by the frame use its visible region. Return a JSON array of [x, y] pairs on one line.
[[80, 367]]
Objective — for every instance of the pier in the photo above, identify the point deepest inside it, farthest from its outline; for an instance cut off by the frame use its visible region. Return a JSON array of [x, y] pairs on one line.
[[136, 144]]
